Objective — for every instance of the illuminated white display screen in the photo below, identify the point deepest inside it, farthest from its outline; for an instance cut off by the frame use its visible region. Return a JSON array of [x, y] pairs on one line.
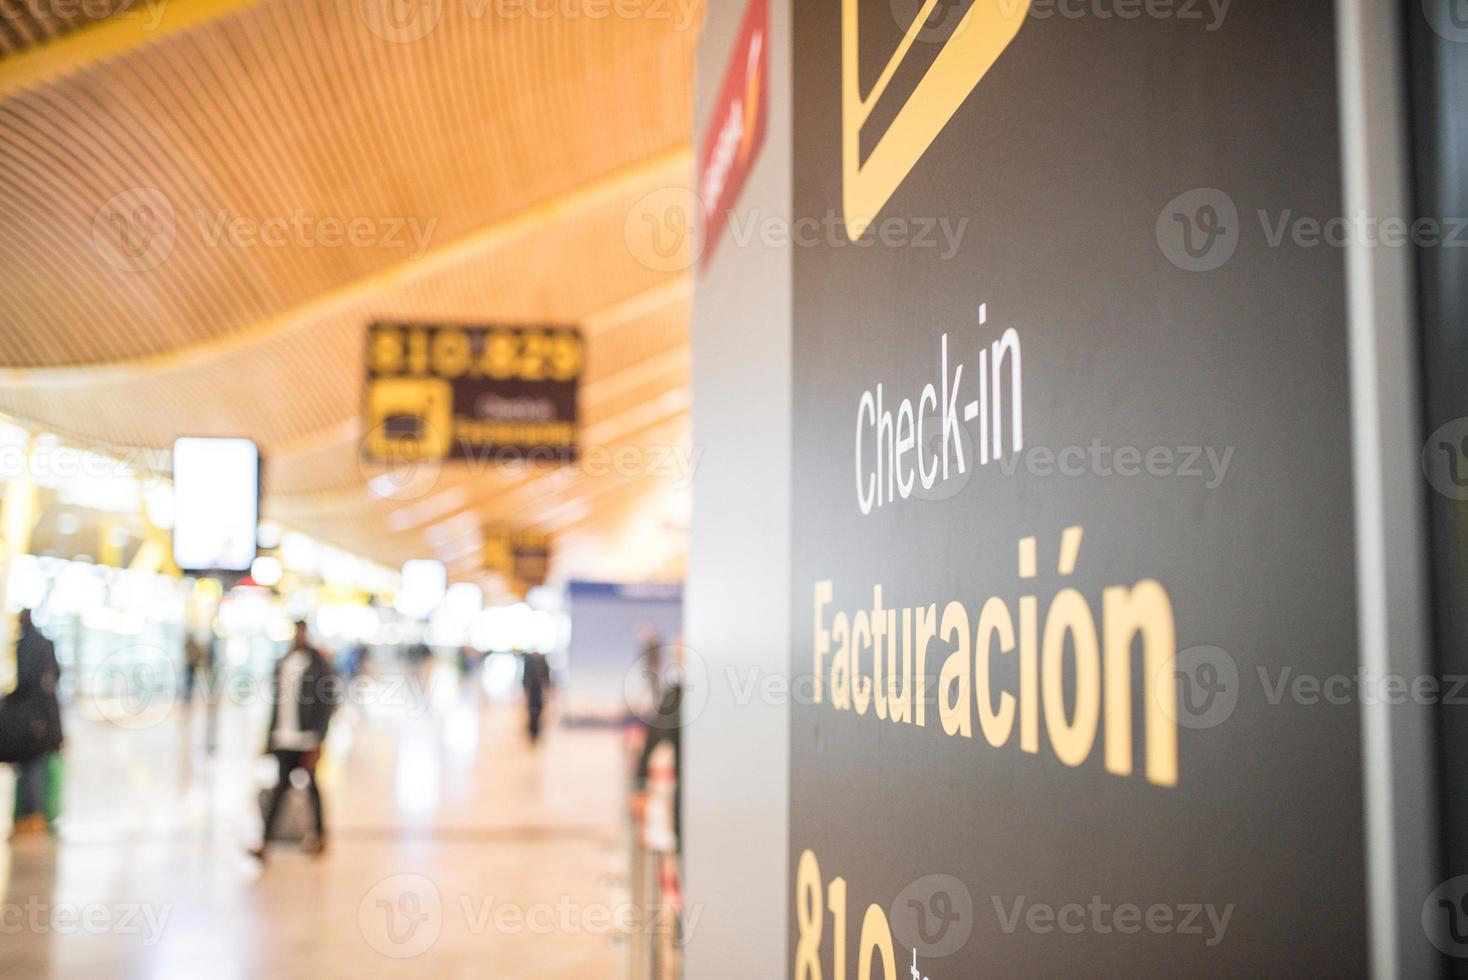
[[424, 584], [216, 503]]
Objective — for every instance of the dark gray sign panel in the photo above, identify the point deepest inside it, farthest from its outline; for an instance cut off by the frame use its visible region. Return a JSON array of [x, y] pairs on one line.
[[1074, 623]]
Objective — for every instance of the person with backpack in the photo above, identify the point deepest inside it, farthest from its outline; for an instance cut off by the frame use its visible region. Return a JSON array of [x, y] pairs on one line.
[[30, 725]]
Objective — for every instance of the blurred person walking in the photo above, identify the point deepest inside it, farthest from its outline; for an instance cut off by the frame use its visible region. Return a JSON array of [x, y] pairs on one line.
[[470, 661], [537, 680], [196, 663], [305, 693], [651, 658], [30, 728], [213, 687], [355, 659], [665, 725]]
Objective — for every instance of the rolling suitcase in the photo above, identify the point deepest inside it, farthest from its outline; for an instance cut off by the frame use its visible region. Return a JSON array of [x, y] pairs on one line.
[[296, 820]]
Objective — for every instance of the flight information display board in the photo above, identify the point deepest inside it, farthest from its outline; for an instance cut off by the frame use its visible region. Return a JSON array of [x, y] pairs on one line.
[[482, 393]]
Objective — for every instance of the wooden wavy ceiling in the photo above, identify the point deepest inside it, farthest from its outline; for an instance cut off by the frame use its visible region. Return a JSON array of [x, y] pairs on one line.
[[489, 163]]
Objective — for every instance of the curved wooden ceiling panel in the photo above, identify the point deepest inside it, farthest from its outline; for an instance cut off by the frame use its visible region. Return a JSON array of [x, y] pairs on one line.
[[190, 187], [199, 227], [300, 375]]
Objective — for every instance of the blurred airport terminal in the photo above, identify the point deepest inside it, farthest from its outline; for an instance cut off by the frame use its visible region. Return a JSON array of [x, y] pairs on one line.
[[646, 489]]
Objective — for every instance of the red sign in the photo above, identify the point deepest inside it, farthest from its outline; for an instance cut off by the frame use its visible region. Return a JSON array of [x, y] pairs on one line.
[[737, 124]]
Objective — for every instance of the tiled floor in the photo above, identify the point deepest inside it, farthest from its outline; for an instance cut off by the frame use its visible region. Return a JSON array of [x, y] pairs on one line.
[[457, 850]]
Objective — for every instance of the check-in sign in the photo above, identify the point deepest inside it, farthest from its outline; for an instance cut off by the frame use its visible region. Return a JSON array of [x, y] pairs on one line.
[[487, 393], [737, 130]]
